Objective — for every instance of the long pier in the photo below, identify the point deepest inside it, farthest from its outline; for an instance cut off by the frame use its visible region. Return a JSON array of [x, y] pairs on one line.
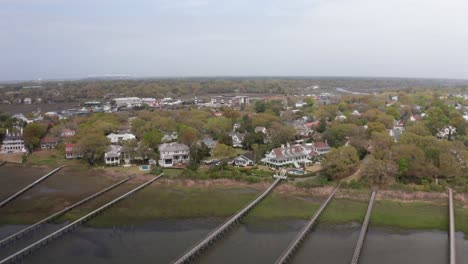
[[68, 228], [14, 196], [453, 257], [204, 243], [295, 244], [2, 162], [365, 225], [50, 218]]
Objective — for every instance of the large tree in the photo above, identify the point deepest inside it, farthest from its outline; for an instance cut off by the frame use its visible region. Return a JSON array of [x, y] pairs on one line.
[[33, 134], [340, 162]]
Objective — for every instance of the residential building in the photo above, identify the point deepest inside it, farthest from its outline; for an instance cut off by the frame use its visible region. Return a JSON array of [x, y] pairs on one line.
[[321, 148], [113, 155], [49, 142], [173, 154], [210, 142], [72, 152], [247, 159], [13, 143], [287, 155], [27, 101], [117, 138], [237, 139]]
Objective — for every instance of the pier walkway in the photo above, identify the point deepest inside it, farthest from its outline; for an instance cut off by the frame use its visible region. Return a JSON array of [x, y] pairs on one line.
[[50, 218], [209, 239], [14, 196], [362, 234], [294, 245], [16, 257]]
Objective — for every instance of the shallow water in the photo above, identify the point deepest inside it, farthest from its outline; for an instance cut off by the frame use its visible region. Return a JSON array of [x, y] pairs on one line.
[[163, 241]]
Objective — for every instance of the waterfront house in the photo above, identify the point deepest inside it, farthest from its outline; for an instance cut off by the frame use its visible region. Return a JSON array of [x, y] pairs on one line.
[[173, 154], [287, 155], [72, 152], [13, 143], [49, 142], [246, 159], [113, 155]]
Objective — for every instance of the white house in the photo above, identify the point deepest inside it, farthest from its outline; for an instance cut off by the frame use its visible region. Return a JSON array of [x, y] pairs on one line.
[[116, 138], [172, 154], [13, 143], [244, 160], [72, 152], [27, 101], [287, 155], [237, 139], [113, 155]]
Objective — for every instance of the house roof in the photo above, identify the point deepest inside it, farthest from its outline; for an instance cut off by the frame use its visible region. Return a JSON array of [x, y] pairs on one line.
[[49, 140], [113, 151], [248, 155], [291, 151], [169, 147], [321, 145]]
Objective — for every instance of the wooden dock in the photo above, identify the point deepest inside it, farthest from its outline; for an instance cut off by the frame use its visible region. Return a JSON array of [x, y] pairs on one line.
[[295, 244], [192, 253], [14, 196], [365, 225], [18, 256], [36, 226], [2, 162], [453, 256]]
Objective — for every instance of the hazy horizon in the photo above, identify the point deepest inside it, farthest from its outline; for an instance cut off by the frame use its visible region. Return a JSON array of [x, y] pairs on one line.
[[60, 39]]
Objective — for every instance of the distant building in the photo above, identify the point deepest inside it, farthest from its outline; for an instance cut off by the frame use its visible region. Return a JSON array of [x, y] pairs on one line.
[[27, 101], [117, 138], [49, 142], [230, 101], [173, 154], [447, 132], [66, 133], [72, 152], [151, 102], [169, 137], [210, 142], [237, 139], [127, 101], [13, 143], [260, 129]]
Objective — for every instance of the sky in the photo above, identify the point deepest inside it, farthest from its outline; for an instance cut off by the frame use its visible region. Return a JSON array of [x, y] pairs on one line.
[[56, 39]]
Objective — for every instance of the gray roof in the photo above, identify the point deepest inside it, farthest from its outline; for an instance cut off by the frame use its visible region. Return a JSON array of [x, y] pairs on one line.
[[169, 147]]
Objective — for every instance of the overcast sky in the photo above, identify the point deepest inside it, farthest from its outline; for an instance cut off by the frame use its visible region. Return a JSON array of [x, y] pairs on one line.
[[77, 38]]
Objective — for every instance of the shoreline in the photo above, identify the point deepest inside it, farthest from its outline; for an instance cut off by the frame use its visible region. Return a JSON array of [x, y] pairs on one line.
[[178, 198]]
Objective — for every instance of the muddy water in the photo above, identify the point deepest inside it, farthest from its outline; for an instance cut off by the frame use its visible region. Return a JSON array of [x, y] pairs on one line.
[[162, 241]]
